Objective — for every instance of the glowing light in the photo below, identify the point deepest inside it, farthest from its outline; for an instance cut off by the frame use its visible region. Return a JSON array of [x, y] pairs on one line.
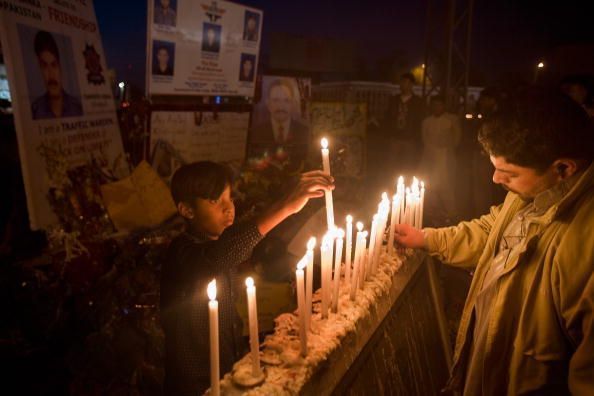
[[311, 244], [540, 65], [468, 116], [359, 226], [121, 85], [340, 233], [302, 264], [249, 282], [212, 290], [349, 219], [324, 143]]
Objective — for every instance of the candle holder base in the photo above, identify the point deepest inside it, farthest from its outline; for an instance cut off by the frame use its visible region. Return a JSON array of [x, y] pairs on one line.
[[244, 376], [270, 357]]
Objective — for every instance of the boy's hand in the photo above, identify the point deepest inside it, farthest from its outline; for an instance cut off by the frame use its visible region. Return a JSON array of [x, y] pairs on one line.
[[311, 185], [408, 236]]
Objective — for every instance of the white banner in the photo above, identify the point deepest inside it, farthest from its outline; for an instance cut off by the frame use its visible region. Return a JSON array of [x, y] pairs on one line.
[[63, 104], [202, 47]]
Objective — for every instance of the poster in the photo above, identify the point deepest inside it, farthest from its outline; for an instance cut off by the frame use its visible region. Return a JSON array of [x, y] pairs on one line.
[[202, 47], [279, 119], [183, 137], [61, 97], [345, 126]]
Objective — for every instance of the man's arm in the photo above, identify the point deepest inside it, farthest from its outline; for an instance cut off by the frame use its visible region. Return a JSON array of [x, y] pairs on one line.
[[459, 246]]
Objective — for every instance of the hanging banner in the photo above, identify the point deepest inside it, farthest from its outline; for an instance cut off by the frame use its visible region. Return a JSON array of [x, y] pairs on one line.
[[63, 105], [202, 47]]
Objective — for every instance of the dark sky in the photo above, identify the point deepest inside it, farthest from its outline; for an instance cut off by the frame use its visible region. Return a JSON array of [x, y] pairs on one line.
[[508, 36]]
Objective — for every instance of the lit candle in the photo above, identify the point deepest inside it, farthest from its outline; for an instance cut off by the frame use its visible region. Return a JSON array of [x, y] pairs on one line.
[[349, 248], [301, 305], [253, 322], [400, 192], [337, 262], [326, 268], [393, 220], [372, 244], [327, 194], [362, 259], [422, 204], [408, 207], [213, 320], [358, 248], [311, 244], [416, 202]]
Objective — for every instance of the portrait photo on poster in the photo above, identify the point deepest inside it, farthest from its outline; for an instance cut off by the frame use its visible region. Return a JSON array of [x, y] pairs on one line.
[[163, 58], [52, 78], [211, 37], [278, 122], [247, 67], [251, 26], [165, 12]]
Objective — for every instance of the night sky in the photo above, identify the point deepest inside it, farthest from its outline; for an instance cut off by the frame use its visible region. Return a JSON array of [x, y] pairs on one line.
[[509, 37]]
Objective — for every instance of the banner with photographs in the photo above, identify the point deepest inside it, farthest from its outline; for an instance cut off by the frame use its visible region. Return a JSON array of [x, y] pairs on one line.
[[202, 47], [280, 130], [63, 104], [183, 137], [345, 126]]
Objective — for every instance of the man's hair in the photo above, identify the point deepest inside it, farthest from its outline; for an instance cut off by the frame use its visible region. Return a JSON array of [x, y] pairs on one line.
[[44, 41], [538, 128], [408, 76], [280, 83], [203, 179]]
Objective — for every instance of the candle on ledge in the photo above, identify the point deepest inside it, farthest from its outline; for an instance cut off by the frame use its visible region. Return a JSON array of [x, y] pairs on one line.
[[349, 248], [327, 194], [358, 248], [301, 306], [326, 268], [372, 244], [213, 320], [393, 219], [337, 262], [311, 244], [363, 259], [422, 204], [253, 323]]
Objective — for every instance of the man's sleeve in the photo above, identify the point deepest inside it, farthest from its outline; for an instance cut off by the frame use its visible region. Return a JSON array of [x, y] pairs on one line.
[[573, 291], [461, 245]]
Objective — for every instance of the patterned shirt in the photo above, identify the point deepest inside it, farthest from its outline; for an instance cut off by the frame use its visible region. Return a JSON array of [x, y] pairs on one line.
[[192, 261], [509, 248]]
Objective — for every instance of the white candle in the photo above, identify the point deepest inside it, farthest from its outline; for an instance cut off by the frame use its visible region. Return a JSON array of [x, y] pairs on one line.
[[301, 305], [311, 244], [358, 248], [349, 248], [363, 259], [393, 219], [253, 323], [213, 320], [327, 194], [379, 240], [408, 207], [326, 267], [416, 202], [372, 244], [337, 262], [422, 204]]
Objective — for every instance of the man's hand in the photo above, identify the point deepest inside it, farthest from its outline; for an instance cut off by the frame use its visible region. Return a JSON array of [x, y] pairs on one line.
[[311, 185], [409, 237]]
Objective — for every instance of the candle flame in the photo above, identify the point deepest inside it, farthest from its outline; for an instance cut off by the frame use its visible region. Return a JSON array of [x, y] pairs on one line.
[[249, 282], [349, 219], [384, 196], [324, 143], [400, 180], [395, 198], [359, 226], [407, 190], [211, 290], [311, 244], [340, 233], [302, 264]]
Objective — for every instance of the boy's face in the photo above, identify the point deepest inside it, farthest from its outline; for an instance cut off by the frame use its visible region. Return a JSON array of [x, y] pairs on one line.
[[212, 216]]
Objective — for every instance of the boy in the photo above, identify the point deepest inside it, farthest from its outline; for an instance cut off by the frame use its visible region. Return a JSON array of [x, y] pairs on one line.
[[212, 247]]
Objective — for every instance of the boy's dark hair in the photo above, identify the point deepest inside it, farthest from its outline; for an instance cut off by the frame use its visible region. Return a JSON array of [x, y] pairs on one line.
[[408, 76], [44, 41], [538, 128], [203, 179]]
